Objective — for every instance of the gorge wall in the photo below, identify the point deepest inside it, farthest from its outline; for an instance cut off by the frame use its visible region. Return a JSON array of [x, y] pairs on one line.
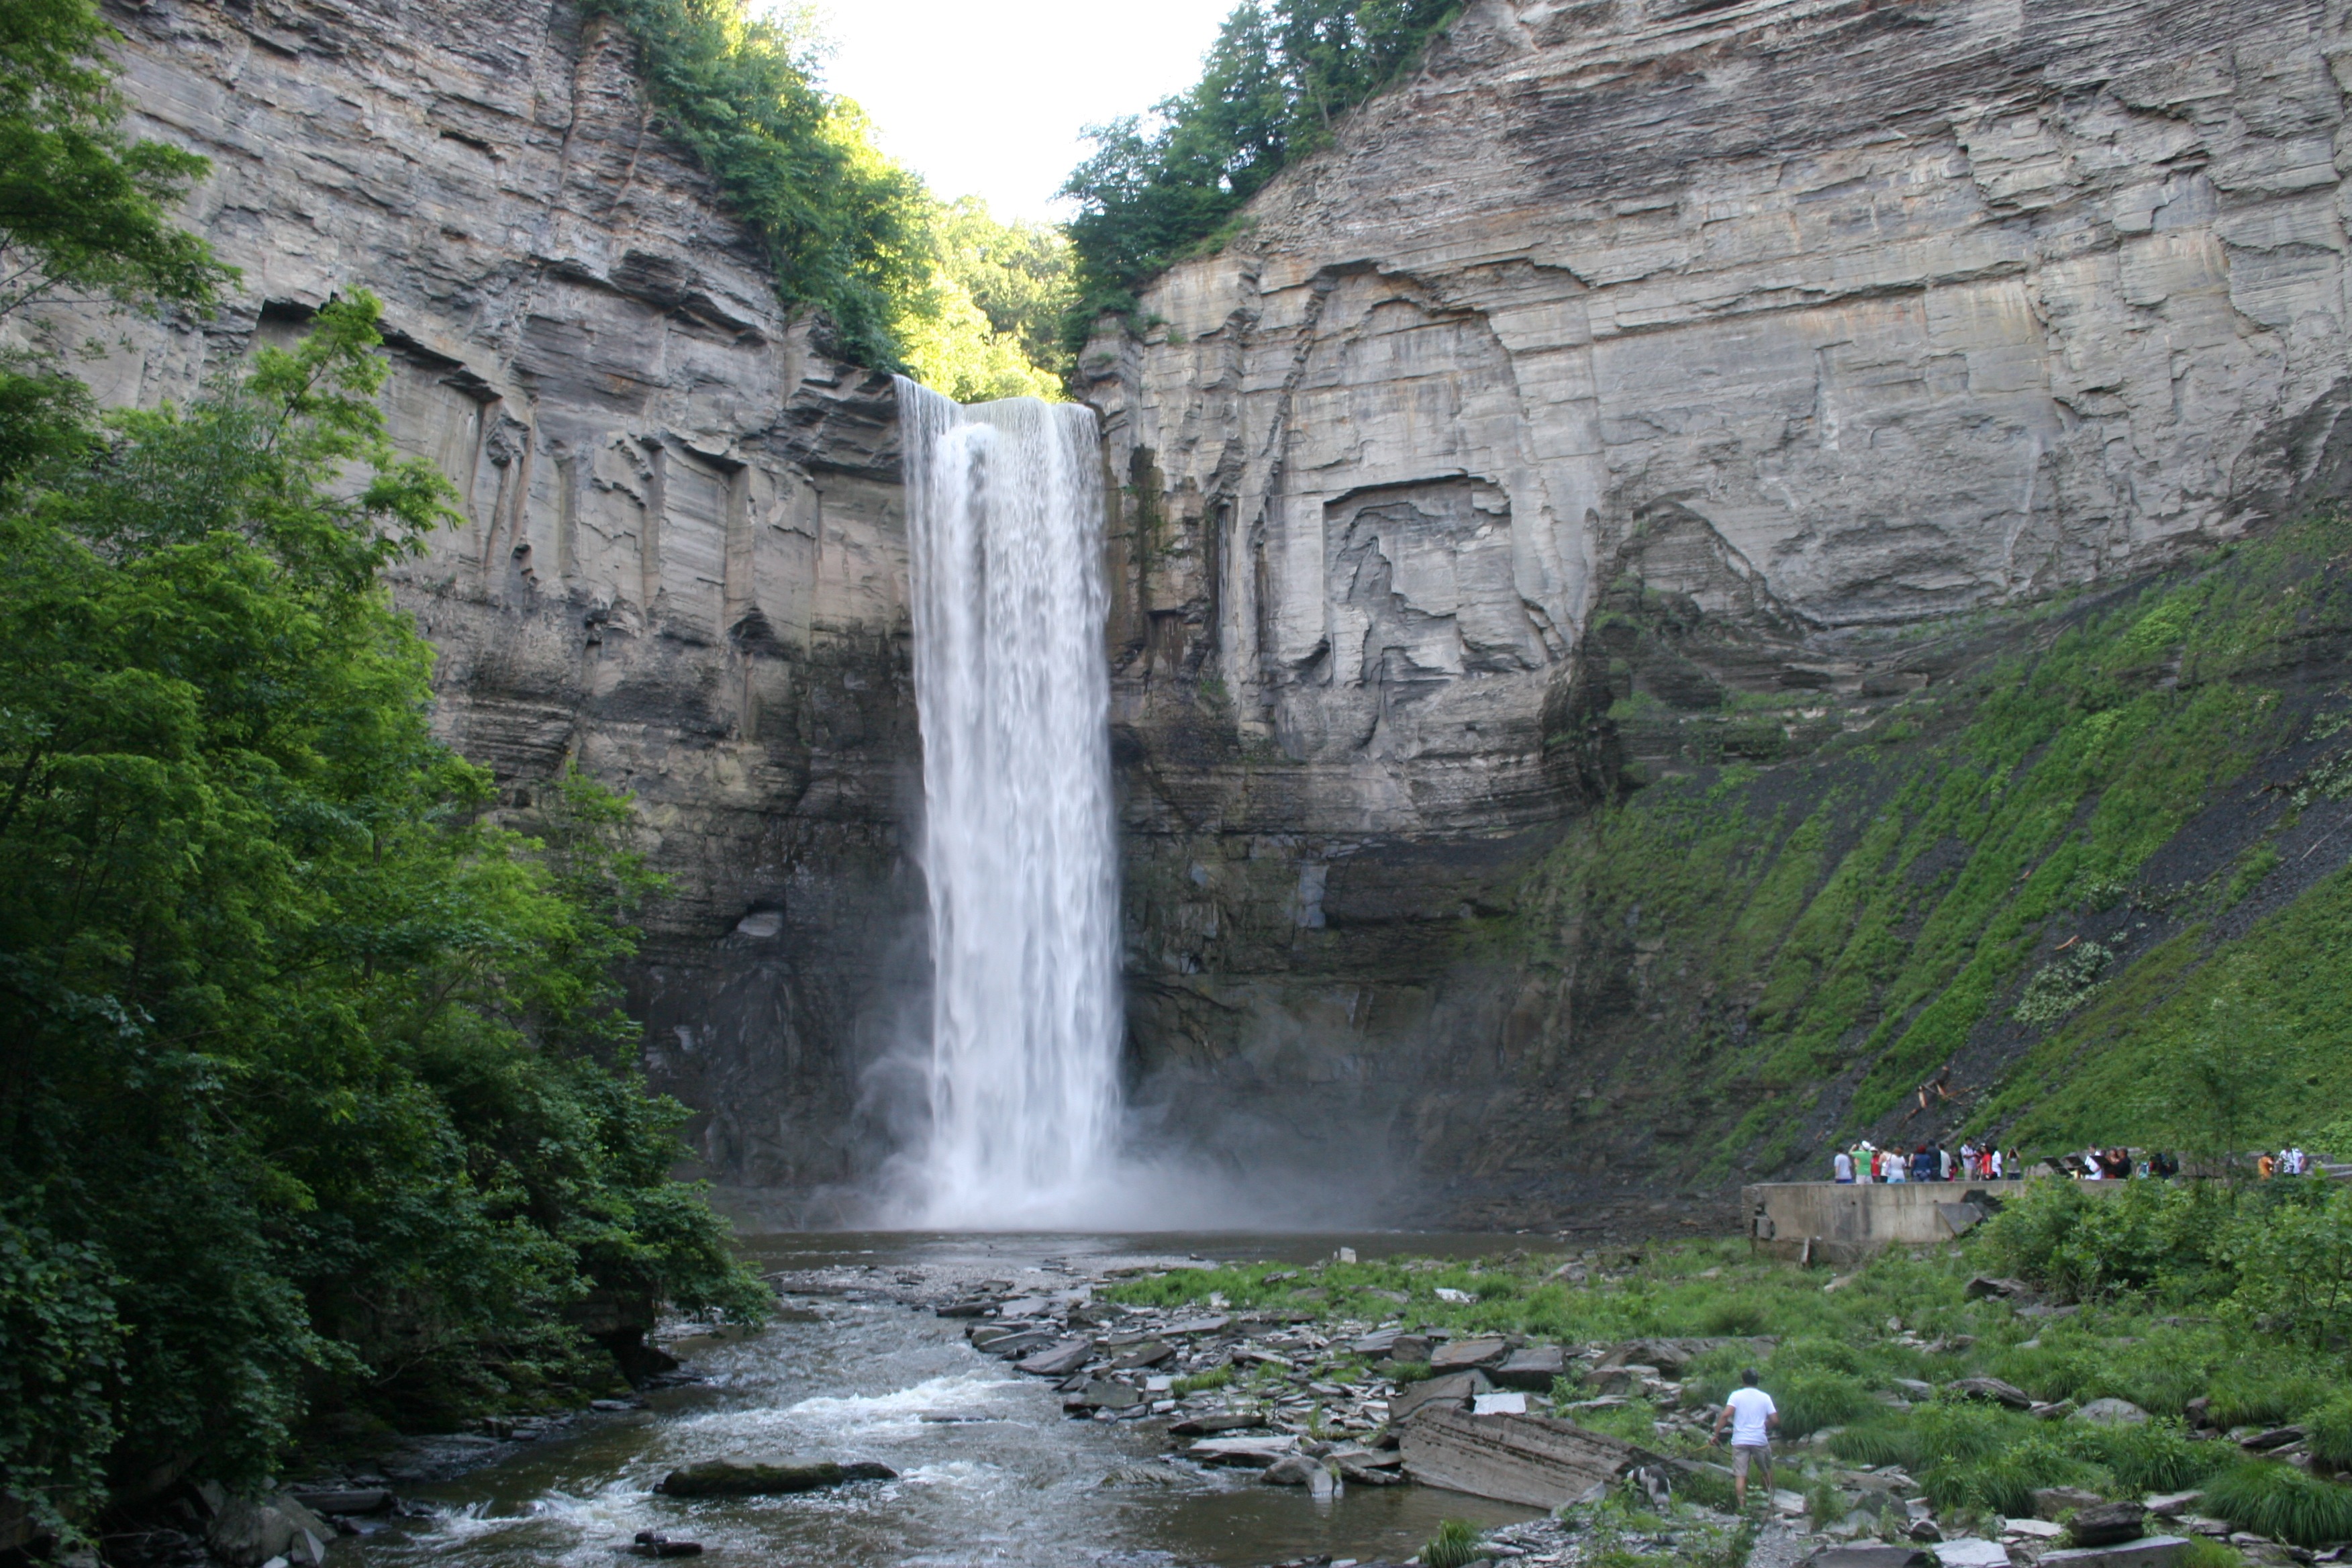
[[682, 563], [1642, 385], [1648, 401]]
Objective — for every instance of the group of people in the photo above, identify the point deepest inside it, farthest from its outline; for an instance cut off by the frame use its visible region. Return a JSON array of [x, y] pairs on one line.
[[1930, 1161], [2113, 1165], [2289, 1162]]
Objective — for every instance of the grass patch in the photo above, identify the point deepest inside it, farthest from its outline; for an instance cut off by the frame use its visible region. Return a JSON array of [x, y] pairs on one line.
[[1456, 1545], [2282, 1502]]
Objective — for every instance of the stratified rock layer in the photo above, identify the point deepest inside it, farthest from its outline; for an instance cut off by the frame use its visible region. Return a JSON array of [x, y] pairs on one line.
[[682, 563], [1807, 319]]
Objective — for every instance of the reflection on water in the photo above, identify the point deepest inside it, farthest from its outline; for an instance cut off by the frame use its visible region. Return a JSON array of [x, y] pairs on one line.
[[990, 1471]]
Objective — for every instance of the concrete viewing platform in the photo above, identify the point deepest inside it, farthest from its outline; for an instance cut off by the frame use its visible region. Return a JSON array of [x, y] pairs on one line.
[[1846, 1222]]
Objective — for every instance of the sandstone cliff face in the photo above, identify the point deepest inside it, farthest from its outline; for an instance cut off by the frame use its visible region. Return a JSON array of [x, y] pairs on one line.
[[682, 564], [1812, 319]]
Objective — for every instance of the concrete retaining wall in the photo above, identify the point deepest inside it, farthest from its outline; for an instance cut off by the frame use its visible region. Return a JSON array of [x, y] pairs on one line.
[[1844, 1222]]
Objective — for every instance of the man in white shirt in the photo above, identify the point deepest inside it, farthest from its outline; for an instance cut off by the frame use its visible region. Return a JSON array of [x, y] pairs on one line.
[[1753, 1418], [1843, 1166]]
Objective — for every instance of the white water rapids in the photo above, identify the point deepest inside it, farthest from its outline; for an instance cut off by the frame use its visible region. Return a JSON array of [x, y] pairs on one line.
[[1005, 518]]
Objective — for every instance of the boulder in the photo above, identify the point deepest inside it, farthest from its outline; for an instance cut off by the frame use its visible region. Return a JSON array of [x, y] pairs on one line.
[[1669, 1357], [2276, 1437], [1370, 1467], [1627, 1377], [1993, 1285], [1410, 1347], [1513, 1403], [1533, 1460], [1191, 1326], [2149, 1552], [1007, 1347], [245, 1532], [2111, 1413], [649, 1544], [1291, 1470], [1376, 1344], [2053, 1502], [1990, 1388], [1534, 1368], [2107, 1524], [1462, 1354], [719, 1478], [1059, 1359], [2172, 1505], [1452, 1391], [1104, 1394], [1151, 1352]]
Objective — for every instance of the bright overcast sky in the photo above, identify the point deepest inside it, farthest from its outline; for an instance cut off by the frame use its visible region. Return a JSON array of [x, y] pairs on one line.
[[986, 97]]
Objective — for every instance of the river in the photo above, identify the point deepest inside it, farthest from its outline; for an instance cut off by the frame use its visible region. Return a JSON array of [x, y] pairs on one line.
[[990, 1471]]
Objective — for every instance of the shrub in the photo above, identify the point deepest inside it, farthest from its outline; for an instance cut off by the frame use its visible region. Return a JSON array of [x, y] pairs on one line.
[[2206, 1552], [1454, 1546], [1888, 1442], [1737, 1316], [2004, 1480], [2330, 1427], [1809, 1401], [2155, 1457], [2262, 1394], [2282, 1502], [1709, 1485]]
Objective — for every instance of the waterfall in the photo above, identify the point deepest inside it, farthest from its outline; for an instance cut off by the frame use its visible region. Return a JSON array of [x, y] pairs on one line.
[[1004, 517]]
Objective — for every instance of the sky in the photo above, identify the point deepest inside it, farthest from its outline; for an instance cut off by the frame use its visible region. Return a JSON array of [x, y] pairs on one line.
[[987, 98]]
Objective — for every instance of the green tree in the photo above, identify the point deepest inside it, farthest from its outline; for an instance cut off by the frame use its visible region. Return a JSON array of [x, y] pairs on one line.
[[1270, 92]]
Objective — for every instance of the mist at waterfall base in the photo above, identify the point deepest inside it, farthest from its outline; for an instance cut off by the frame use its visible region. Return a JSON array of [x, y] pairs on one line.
[[1018, 1121]]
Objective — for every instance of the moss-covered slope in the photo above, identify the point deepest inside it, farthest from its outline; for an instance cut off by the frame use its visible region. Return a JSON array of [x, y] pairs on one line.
[[2031, 874]]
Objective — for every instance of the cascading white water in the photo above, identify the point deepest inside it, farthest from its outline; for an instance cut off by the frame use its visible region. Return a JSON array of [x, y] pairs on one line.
[[1005, 507]]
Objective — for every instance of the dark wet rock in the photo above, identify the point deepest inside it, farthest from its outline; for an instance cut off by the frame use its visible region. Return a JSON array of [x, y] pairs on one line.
[[1370, 1467], [1291, 1470], [721, 1479], [2055, 1502], [1011, 1346], [649, 1544], [245, 1532], [972, 1309], [345, 1500], [2106, 1524], [1246, 1453], [1991, 1388], [1103, 1394], [2276, 1437]]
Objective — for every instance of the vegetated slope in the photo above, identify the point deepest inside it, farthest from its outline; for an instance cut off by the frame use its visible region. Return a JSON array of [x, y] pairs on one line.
[[2101, 841]]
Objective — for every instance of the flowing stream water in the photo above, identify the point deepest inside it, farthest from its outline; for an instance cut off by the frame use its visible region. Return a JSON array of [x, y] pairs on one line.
[[1004, 519], [990, 1472]]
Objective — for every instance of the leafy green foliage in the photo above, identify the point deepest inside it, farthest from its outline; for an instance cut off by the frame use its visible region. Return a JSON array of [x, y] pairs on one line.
[[2057, 989], [2330, 1427], [990, 325], [317, 1087], [2282, 1502], [83, 208], [1278, 77], [846, 229]]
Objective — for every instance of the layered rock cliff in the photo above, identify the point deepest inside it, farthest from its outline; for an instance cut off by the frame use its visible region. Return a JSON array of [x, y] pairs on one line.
[[682, 563], [1645, 394], [1633, 389]]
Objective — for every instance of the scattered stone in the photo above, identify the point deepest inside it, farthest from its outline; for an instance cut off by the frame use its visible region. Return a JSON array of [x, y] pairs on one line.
[[246, 1533], [1862, 1555], [1453, 1392], [2051, 1502], [1248, 1453], [1150, 1353], [1628, 1377], [1464, 1353], [2172, 1505], [1514, 1403], [1410, 1347], [719, 1478], [1103, 1394], [1670, 1357], [2040, 1310], [2112, 1413], [1991, 1388], [2152, 1551], [2057, 1410], [972, 1309], [1912, 1388], [2107, 1524], [1534, 1368], [2006, 1289], [1060, 1359], [1531, 1459], [1209, 1425], [1009, 1347], [1192, 1326], [1370, 1467], [1458, 1298], [1376, 1344], [2032, 1529], [1972, 1552]]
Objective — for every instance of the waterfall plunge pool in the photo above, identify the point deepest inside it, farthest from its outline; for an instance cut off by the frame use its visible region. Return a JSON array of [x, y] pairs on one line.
[[1004, 1478]]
